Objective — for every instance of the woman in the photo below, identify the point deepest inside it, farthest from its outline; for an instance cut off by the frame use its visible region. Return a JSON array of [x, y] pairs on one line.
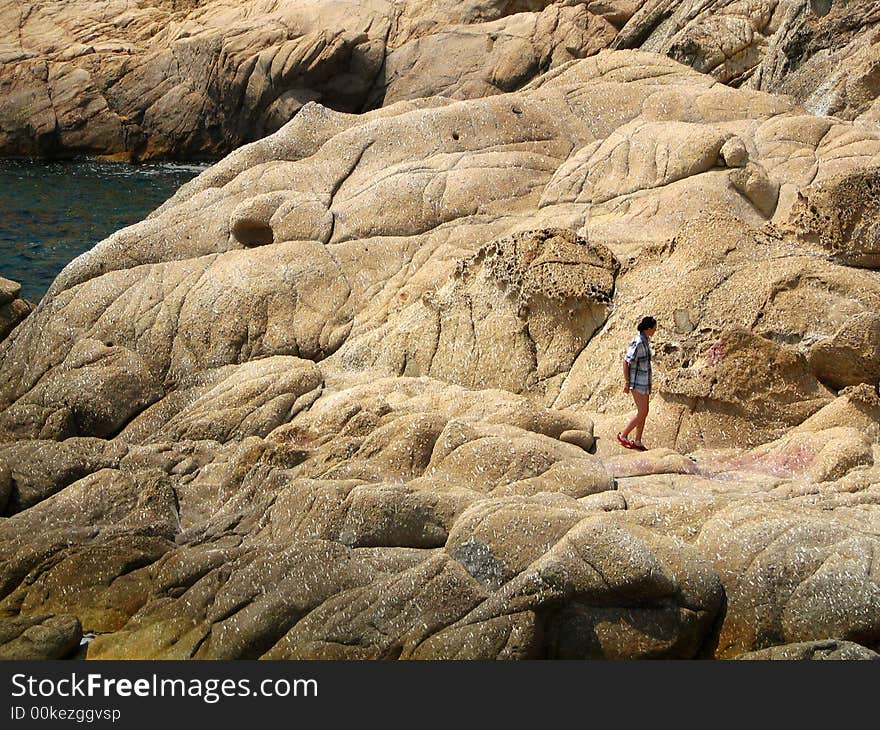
[[637, 379]]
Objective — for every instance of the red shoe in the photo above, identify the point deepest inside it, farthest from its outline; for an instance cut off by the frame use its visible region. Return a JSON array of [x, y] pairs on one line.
[[625, 442], [639, 446]]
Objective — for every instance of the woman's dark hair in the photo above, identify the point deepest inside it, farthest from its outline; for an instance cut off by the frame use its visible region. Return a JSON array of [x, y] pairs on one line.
[[647, 323]]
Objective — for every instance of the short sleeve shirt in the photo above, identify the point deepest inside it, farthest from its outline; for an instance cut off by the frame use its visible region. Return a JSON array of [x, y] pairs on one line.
[[638, 355]]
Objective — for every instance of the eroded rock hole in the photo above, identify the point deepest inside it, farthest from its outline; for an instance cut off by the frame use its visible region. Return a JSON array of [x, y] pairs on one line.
[[251, 232]]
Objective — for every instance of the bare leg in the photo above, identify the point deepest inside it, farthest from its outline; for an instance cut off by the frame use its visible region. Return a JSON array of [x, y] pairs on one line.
[[641, 400], [638, 421]]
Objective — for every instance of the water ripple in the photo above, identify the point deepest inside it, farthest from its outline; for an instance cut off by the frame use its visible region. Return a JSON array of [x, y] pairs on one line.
[[50, 212]]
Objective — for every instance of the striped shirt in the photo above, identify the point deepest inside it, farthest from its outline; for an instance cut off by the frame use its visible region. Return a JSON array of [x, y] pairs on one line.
[[638, 355]]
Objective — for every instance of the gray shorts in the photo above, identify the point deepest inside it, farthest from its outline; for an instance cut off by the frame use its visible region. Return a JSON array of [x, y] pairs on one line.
[[640, 389]]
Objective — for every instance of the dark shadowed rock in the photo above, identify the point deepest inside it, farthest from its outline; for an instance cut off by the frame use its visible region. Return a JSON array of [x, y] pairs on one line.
[[13, 309]]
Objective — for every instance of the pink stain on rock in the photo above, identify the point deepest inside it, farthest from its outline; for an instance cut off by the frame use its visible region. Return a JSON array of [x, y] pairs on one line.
[[716, 353], [789, 461]]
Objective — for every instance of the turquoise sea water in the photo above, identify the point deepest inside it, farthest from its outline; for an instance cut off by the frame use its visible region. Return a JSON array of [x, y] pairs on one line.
[[50, 212]]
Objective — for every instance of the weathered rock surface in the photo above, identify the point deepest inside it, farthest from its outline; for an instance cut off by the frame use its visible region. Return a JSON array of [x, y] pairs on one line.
[[852, 355], [791, 575], [840, 214], [38, 469], [352, 392], [38, 637], [502, 307], [470, 60], [159, 79], [821, 52], [168, 79], [856, 406]]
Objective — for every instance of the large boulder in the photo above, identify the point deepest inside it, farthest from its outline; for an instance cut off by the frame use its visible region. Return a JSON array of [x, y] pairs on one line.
[[254, 399], [38, 469], [747, 377], [857, 407], [466, 61], [603, 591], [792, 576], [67, 550]]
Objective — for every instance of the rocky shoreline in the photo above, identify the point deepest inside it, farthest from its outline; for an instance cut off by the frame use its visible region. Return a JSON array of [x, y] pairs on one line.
[[181, 80], [352, 392]]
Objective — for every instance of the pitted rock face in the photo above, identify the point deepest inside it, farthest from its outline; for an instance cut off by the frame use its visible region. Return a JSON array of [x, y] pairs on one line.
[[841, 214], [742, 372], [553, 263], [522, 307]]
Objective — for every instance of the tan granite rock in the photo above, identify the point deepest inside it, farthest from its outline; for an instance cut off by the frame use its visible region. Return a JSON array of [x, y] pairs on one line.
[[353, 392], [791, 576]]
